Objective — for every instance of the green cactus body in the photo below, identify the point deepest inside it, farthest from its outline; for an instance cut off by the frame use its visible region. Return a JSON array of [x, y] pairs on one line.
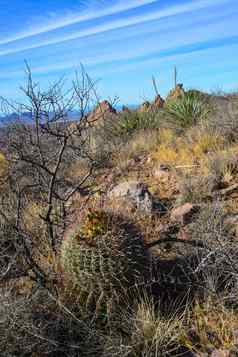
[[105, 266]]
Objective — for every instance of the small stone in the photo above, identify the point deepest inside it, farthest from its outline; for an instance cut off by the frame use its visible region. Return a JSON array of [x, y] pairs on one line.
[[220, 353], [184, 213], [183, 234], [231, 219]]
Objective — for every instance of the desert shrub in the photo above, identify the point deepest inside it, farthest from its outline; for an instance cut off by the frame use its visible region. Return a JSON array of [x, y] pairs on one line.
[[38, 325], [217, 264], [224, 118], [128, 123], [187, 110], [103, 259]]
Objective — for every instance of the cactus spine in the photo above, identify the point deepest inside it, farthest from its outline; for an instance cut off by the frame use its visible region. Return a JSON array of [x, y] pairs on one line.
[[103, 266]]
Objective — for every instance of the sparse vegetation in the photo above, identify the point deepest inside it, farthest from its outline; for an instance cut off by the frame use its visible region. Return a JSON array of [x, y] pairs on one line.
[[85, 274]]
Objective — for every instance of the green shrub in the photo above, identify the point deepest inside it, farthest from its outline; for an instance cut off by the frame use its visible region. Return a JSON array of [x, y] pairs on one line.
[[104, 259], [130, 122], [188, 110]]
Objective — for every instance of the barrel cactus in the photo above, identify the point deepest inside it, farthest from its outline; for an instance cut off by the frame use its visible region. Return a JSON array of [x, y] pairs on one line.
[[104, 258]]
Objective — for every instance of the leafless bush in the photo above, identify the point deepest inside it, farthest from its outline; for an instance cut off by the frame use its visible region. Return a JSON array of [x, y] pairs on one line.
[[224, 119], [41, 325], [217, 264], [39, 153]]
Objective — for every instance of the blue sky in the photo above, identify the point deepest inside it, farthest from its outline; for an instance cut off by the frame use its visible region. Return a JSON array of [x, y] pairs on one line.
[[120, 42]]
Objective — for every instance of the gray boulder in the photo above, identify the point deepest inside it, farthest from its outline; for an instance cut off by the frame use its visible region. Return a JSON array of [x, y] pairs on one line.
[[138, 194]]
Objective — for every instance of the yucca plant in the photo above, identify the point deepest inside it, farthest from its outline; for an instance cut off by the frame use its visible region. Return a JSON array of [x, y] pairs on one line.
[[189, 109]]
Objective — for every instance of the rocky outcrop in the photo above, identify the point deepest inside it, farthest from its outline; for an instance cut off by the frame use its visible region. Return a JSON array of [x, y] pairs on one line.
[[101, 112], [158, 102], [125, 109], [145, 107], [175, 93]]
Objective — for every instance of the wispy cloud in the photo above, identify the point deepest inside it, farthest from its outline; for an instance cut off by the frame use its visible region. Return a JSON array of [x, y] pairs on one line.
[[133, 59], [91, 12], [116, 24]]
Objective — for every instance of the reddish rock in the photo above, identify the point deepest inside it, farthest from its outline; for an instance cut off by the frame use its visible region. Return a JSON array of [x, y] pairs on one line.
[[101, 111], [184, 213], [158, 102], [231, 220], [183, 234], [145, 107], [125, 109], [175, 93]]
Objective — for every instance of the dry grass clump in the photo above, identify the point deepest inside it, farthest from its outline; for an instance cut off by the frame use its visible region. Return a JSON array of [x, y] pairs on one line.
[[203, 141], [141, 143], [190, 149], [154, 334], [148, 332], [210, 325], [223, 167], [3, 165]]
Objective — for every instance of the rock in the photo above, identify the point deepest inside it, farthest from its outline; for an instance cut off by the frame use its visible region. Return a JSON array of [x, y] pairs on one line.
[[158, 102], [125, 109], [138, 193], [101, 111], [220, 353], [183, 234], [145, 107], [231, 219], [175, 93], [184, 213]]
